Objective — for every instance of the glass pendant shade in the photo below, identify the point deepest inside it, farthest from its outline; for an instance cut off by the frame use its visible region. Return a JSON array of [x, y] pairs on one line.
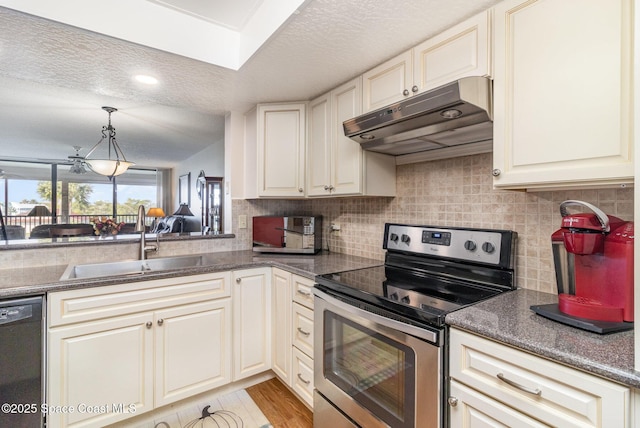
[[108, 167]]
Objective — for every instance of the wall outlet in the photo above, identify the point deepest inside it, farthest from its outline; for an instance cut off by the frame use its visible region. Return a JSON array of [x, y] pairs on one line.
[[242, 221], [335, 227]]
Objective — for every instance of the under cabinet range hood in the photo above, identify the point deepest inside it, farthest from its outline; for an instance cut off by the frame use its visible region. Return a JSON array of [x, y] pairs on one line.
[[455, 114]]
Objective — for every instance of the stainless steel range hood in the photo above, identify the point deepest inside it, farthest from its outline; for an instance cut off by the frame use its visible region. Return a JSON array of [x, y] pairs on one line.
[[455, 114]]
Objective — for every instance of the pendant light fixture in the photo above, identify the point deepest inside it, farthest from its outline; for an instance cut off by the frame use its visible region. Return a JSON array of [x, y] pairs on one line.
[[115, 163]]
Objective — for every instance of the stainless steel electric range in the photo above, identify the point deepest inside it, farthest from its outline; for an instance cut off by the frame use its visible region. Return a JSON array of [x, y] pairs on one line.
[[380, 350]]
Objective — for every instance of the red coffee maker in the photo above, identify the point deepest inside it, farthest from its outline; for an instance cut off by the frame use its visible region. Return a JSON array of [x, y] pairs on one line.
[[593, 257]]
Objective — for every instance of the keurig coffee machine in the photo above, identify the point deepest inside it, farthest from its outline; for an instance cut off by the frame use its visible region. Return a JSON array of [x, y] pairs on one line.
[[593, 257]]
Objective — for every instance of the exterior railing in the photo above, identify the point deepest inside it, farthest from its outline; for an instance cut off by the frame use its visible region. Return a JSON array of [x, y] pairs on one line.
[[29, 222]]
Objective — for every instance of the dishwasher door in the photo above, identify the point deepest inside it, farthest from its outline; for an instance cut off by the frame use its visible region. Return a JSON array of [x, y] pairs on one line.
[[21, 362]]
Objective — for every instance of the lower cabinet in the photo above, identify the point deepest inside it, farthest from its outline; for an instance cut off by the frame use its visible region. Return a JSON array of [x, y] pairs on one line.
[[293, 332], [169, 340], [251, 322], [496, 385]]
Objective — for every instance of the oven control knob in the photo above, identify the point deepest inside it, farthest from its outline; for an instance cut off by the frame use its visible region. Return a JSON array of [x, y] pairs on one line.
[[405, 238], [393, 237], [470, 245], [393, 296], [406, 300], [488, 247]]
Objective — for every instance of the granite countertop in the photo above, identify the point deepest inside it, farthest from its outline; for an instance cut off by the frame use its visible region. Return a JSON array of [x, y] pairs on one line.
[[508, 319], [41, 280]]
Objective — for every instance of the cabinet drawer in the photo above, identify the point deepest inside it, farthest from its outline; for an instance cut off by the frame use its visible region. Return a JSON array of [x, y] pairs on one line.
[[559, 396], [303, 328], [302, 376], [302, 291], [87, 304]]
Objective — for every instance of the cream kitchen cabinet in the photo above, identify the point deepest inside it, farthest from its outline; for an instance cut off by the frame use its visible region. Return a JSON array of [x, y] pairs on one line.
[[337, 165], [463, 50], [275, 150], [129, 348], [497, 383], [562, 94], [293, 332], [251, 321]]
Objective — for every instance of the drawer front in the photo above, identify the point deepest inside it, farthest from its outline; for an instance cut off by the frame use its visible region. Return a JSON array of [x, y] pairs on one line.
[[470, 409], [302, 291], [302, 376], [552, 393], [66, 307], [303, 329]]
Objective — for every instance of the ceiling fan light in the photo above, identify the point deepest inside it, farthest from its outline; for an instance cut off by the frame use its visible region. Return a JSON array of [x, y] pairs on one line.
[[108, 167], [77, 168]]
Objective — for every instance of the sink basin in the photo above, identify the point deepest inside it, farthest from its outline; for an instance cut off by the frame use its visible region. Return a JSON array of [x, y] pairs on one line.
[[131, 267]]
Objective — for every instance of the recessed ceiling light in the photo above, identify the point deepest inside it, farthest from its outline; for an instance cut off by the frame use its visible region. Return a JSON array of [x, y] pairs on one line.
[[149, 80]]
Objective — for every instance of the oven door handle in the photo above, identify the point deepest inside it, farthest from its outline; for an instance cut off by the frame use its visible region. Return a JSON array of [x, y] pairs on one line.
[[419, 332]]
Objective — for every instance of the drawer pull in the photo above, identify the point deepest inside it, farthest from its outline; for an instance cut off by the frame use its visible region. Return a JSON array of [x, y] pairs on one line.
[[304, 293], [534, 391], [304, 333], [303, 380]]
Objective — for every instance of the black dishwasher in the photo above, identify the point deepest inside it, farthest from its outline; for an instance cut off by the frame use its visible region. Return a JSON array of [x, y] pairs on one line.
[[21, 363]]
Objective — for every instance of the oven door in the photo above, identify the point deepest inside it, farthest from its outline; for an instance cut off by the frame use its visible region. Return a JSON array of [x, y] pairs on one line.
[[377, 370]]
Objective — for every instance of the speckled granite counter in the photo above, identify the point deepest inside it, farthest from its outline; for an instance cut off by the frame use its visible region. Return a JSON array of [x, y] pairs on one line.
[[21, 282], [508, 319]]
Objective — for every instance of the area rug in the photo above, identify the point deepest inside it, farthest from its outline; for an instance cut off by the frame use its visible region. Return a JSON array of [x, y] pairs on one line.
[[235, 410]]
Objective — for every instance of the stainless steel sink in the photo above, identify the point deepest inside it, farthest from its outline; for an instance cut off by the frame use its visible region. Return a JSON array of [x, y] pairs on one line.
[[131, 267]]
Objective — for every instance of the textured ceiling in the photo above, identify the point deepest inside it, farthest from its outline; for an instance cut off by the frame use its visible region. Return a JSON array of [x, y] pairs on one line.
[[54, 78]]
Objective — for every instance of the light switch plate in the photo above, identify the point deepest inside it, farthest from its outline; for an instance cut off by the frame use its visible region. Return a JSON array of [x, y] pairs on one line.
[[242, 221]]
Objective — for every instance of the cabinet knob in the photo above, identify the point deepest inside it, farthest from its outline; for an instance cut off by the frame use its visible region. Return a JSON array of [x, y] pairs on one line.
[[414, 88], [300, 189], [238, 280], [160, 321], [453, 401], [326, 187], [149, 324], [496, 172], [405, 92]]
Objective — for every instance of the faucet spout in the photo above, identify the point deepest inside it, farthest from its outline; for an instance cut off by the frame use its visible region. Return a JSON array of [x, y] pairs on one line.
[[140, 227]]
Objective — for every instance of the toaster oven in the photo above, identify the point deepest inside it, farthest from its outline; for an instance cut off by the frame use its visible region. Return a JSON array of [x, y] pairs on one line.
[[287, 234]]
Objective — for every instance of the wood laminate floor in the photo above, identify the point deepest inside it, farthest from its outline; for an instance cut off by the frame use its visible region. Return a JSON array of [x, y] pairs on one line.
[[280, 406]]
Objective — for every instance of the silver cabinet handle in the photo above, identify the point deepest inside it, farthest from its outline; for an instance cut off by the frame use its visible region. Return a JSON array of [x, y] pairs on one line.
[[238, 280], [453, 401], [303, 380], [160, 321], [326, 187], [496, 172], [149, 324], [534, 391], [304, 333], [405, 92], [304, 293], [414, 88]]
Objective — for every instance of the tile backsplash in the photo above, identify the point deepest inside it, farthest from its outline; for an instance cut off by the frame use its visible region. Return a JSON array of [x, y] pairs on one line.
[[451, 192]]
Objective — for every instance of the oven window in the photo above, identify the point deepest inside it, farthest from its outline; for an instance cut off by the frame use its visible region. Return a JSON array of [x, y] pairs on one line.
[[376, 371]]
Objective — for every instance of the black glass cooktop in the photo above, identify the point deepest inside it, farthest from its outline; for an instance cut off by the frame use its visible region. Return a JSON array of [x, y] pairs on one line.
[[417, 295]]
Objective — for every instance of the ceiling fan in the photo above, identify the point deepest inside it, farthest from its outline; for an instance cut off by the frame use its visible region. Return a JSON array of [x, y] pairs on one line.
[[78, 165]]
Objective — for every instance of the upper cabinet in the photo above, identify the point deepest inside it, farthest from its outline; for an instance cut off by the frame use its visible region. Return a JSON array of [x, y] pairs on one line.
[[562, 93], [461, 51], [280, 140], [337, 165]]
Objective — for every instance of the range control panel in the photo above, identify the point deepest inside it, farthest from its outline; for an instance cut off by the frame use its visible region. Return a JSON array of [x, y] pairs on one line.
[[474, 245]]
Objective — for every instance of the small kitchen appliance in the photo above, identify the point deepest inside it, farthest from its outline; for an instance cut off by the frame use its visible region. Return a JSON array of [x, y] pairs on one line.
[[593, 257], [288, 234], [380, 338]]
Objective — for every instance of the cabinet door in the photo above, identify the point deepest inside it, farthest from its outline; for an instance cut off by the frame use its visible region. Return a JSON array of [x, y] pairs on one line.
[[471, 409], [319, 147], [460, 51], [281, 329], [251, 322], [281, 142], [302, 328], [192, 349], [562, 93], [302, 376], [346, 154], [302, 291], [108, 364], [387, 83]]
